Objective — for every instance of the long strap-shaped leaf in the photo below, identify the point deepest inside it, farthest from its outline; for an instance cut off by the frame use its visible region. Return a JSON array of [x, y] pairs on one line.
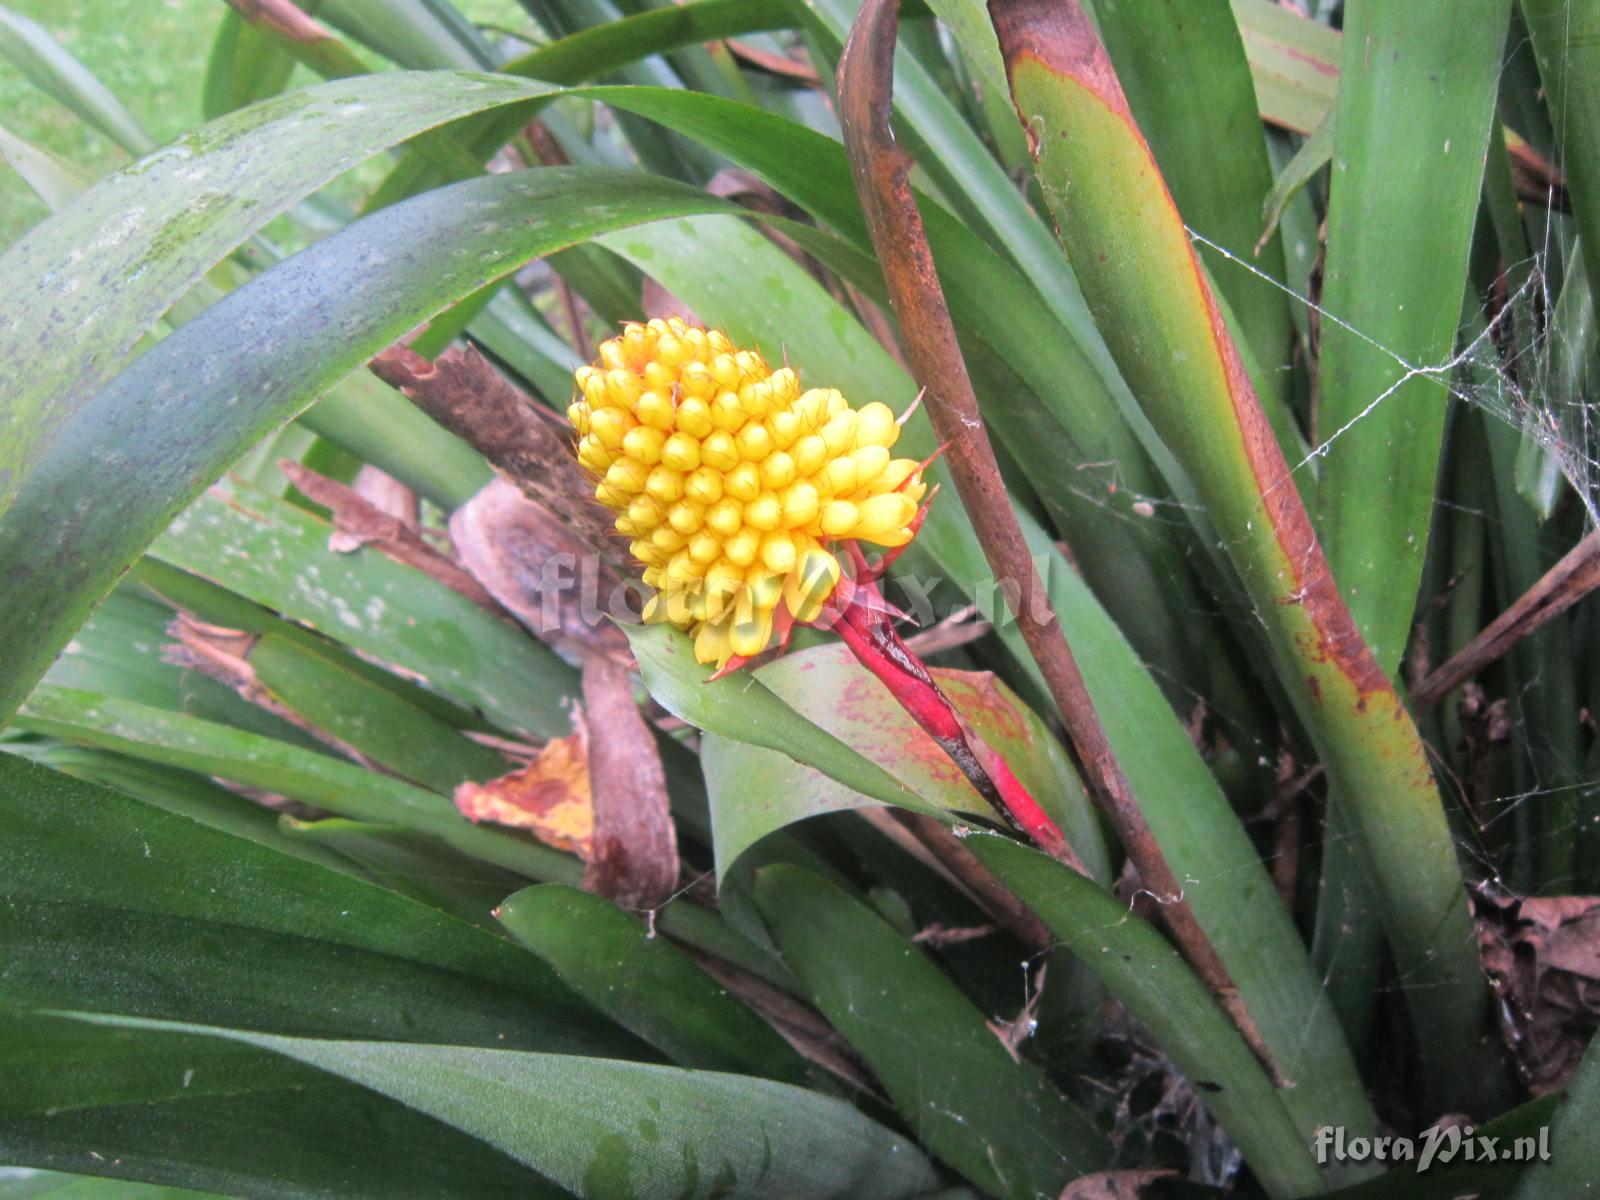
[[150, 441], [1141, 275], [1145, 973], [86, 284], [1400, 214], [996, 1119], [609, 1127]]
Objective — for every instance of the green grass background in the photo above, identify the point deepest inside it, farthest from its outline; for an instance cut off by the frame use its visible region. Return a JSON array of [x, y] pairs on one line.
[[152, 55]]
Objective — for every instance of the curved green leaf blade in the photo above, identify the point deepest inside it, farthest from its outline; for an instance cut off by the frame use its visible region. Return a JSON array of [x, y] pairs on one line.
[[250, 1123], [182, 412], [646, 984], [605, 1127], [1566, 41], [52, 1185], [1183, 65], [1573, 1164], [1294, 61], [1145, 972], [369, 718], [409, 863], [998, 1121], [51, 69], [107, 266], [247, 64], [755, 792], [1401, 208], [741, 707], [276, 553], [112, 903], [53, 179], [332, 784]]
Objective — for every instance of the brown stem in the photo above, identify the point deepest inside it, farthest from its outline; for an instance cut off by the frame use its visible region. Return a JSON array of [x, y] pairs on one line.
[[364, 522], [928, 840], [881, 170], [463, 392], [1562, 586]]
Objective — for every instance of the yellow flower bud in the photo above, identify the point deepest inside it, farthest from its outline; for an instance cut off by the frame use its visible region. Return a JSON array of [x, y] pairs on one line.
[[704, 486], [882, 514], [741, 548], [839, 519], [743, 482], [777, 471], [665, 484], [681, 452], [764, 512], [719, 451], [644, 443], [725, 516], [627, 475], [810, 452], [875, 426]]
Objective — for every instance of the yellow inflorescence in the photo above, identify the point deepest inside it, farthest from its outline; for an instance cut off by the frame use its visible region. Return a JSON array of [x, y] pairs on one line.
[[731, 482]]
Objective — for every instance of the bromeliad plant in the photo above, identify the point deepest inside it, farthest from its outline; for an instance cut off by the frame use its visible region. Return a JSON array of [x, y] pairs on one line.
[[740, 493], [1255, 598]]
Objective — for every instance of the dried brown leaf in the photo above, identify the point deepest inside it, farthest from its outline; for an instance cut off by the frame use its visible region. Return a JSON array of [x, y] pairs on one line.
[[551, 797], [1542, 954], [635, 859], [538, 570]]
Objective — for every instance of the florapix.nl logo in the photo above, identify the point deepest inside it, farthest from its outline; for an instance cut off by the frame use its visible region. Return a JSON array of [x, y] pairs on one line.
[[1438, 1146]]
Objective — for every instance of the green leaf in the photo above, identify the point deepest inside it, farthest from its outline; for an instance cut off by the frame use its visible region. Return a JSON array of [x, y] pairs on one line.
[[1571, 1169], [596, 51], [1401, 208], [152, 913], [52, 1185], [604, 1127], [55, 180], [1183, 66], [646, 984], [411, 864], [755, 792], [369, 718], [378, 425], [1293, 60], [1566, 42], [182, 412], [185, 794], [51, 69], [743, 708], [417, 34], [998, 1121], [108, 265], [313, 778], [1314, 154], [249, 1123], [1143, 970], [276, 554], [119, 651], [247, 64]]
